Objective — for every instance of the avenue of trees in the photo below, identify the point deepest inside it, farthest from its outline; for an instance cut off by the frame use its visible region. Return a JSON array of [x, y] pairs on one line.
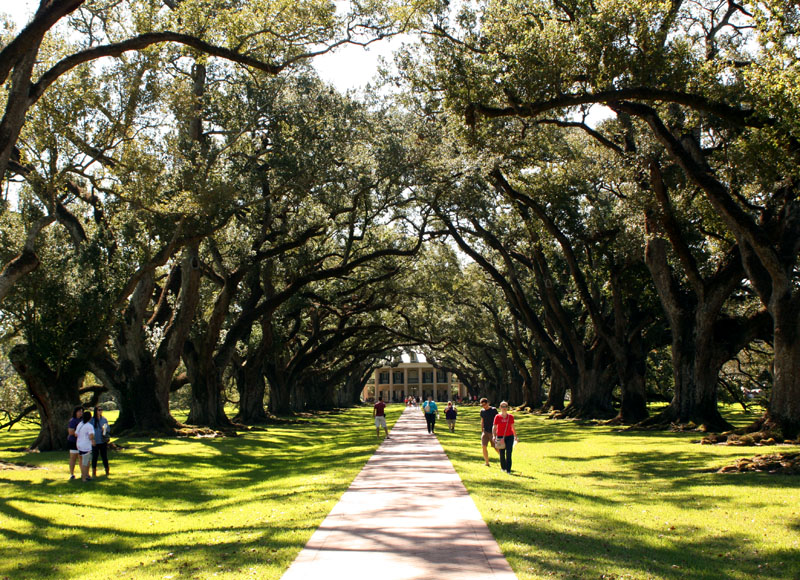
[[579, 206]]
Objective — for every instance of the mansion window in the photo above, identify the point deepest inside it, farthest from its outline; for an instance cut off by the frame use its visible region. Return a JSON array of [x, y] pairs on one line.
[[383, 377], [427, 377]]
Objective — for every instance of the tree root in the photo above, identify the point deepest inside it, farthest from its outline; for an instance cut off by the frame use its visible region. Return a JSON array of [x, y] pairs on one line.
[[761, 432], [204, 432], [668, 420], [587, 413], [776, 463], [4, 465], [615, 422]]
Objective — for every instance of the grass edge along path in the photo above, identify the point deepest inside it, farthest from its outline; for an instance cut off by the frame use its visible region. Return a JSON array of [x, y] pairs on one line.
[[239, 507], [588, 501]]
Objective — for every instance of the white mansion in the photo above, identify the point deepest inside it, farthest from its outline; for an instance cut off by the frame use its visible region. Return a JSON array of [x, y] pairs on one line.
[[414, 378]]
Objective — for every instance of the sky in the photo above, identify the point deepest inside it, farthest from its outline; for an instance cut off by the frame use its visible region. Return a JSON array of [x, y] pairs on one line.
[[349, 67]]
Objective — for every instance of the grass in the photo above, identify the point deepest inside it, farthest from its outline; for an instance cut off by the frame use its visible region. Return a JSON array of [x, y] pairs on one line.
[[585, 502], [238, 507], [591, 502]]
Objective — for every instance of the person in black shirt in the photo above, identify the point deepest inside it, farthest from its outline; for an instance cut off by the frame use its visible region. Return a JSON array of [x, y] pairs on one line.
[[487, 421]]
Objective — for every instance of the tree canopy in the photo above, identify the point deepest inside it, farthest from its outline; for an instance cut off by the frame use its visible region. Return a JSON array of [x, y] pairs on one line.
[[577, 206]]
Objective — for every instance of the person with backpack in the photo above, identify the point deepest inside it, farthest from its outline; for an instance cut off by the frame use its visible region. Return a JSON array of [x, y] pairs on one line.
[[431, 410]]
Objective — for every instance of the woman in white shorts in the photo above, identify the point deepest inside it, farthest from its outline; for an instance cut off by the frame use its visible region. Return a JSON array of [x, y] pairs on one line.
[[85, 434]]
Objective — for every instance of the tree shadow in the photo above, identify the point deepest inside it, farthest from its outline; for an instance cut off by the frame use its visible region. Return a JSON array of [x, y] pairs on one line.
[[592, 552], [191, 480]]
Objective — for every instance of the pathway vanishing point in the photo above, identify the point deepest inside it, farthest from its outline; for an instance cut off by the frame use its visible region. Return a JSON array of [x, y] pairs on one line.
[[407, 516]]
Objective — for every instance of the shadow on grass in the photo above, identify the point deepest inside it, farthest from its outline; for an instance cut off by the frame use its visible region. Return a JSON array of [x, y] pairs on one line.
[[582, 520], [550, 550], [192, 480]]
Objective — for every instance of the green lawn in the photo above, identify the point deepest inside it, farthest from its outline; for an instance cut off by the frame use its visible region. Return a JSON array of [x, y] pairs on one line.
[[586, 502], [239, 507], [592, 502]]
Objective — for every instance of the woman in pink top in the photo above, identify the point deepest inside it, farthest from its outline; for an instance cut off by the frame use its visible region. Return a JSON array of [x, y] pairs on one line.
[[503, 428]]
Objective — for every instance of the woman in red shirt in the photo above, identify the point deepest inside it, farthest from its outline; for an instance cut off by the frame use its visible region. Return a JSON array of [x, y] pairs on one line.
[[503, 428]]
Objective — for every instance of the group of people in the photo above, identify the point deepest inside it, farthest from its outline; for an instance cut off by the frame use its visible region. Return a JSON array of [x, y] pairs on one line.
[[497, 426], [87, 438], [431, 411]]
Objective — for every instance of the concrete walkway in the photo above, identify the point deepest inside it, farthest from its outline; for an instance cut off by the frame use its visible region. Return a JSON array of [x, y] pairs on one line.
[[406, 516]]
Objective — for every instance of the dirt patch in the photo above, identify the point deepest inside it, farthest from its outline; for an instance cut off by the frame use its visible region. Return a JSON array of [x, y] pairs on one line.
[[777, 463], [24, 466]]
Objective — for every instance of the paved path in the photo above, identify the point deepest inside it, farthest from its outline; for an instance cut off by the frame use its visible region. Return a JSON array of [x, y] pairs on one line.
[[407, 516]]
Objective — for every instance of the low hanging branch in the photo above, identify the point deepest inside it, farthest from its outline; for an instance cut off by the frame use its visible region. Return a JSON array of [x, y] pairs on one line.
[[14, 420]]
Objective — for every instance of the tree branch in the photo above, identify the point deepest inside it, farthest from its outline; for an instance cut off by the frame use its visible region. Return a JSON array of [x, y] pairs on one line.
[[739, 117]]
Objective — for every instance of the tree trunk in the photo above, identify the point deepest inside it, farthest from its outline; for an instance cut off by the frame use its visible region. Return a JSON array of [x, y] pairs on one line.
[[252, 388], [298, 397], [591, 396], [696, 371], [323, 396], [55, 396], [349, 394], [207, 406], [143, 406], [784, 404], [694, 359], [632, 366], [557, 392], [533, 389], [279, 395]]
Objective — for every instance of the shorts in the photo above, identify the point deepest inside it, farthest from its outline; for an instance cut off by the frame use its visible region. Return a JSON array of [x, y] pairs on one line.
[[72, 446], [86, 457], [380, 421], [486, 438]]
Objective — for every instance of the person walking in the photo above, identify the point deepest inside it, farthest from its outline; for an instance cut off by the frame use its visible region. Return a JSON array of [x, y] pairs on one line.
[[378, 412], [505, 436], [430, 409], [450, 414], [72, 439], [488, 413], [100, 449], [85, 434]]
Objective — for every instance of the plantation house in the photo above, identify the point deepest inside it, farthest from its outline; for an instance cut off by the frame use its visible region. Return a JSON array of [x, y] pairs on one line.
[[413, 377]]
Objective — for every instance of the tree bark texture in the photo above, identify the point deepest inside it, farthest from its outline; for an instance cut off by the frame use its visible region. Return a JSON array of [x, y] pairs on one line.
[[252, 389], [55, 395], [695, 366], [145, 378], [784, 404], [557, 392]]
